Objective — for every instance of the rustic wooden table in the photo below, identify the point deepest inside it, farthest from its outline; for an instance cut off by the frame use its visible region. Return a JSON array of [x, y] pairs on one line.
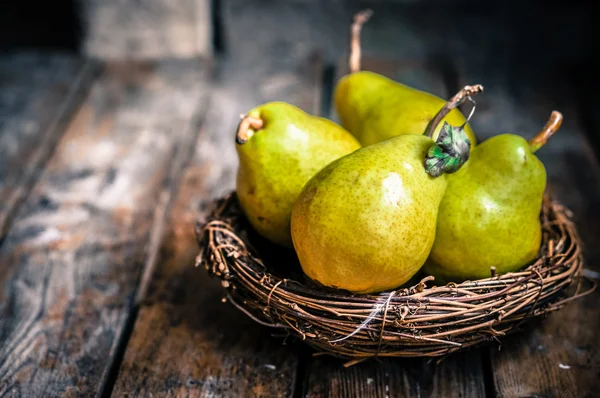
[[105, 166]]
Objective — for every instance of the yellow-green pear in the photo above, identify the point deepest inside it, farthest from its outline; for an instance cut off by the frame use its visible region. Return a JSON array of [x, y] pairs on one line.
[[374, 108], [280, 147], [366, 222], [489, 216]]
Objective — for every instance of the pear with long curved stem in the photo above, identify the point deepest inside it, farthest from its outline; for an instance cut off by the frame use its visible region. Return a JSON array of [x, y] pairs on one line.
[[374, 108], [489, 216]]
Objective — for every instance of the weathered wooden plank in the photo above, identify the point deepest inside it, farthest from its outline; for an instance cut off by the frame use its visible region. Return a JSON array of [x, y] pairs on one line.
[[459, 375], [40, 92], [149, 29], [70, 265], [185, 340], [559, 356]]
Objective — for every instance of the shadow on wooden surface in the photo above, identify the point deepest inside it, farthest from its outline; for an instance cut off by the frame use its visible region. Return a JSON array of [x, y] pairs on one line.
[[458, 375]]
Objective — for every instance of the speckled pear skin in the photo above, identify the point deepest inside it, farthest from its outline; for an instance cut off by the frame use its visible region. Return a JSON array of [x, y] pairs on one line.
[[490, 213], [367, 221], [374, 108], [278, 160]]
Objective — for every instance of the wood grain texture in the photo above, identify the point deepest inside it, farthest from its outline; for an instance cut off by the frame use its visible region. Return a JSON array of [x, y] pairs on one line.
[[70, 265], [40, 92], [559, 356], [186, 341], [147, 29], [459, 375]]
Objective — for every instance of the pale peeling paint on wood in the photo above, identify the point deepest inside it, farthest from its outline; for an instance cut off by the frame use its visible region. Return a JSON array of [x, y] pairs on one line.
[[70, 265], [146, 29]]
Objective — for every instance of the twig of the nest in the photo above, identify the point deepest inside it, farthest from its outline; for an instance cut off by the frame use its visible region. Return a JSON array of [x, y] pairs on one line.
[[421, 321]]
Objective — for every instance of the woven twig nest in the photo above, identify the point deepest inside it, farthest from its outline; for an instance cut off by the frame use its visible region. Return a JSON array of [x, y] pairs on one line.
[[266, 283]]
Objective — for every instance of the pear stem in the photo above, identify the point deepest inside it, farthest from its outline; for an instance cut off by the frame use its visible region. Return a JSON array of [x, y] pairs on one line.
[[551, 127], [359, 20], [454, 102], [241, 136]]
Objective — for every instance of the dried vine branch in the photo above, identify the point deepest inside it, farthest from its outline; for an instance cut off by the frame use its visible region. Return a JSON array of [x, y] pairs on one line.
[[420, 321]]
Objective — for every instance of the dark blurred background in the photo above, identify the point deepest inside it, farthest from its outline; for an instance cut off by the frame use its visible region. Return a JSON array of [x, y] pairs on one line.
[[526, 34], [536, 41], [525, 31]]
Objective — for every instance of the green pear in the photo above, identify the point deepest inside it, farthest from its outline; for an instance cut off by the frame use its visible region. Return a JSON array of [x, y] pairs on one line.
[[366, 222], [280, 147], [374, 108], [489, 216]]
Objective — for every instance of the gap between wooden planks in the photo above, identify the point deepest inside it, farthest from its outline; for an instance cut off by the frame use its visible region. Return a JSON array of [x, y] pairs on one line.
[[70, 264]]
